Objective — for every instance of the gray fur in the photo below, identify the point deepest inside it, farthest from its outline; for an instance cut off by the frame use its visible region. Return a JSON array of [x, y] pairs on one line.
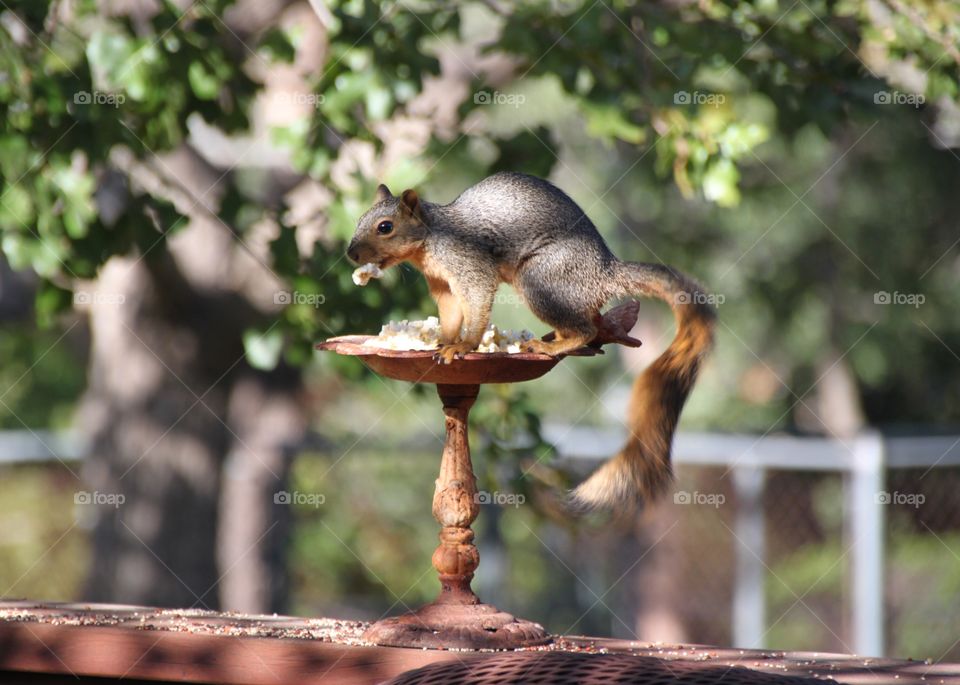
[[512, 223]]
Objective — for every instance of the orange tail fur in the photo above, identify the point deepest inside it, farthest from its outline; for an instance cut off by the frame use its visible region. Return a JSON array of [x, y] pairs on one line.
[[642, 470]]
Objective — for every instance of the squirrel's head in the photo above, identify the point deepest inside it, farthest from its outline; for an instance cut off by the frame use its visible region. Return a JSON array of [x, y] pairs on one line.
[[391, 231]]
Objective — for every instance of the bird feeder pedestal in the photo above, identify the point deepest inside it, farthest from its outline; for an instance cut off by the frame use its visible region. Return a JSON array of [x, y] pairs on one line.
[[457, 618]]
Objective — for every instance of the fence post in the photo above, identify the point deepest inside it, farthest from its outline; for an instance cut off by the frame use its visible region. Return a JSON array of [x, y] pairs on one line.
[[865, 517], [749, 602]]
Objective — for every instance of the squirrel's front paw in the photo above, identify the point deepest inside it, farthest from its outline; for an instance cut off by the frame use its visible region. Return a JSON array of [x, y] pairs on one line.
[[447, 353]]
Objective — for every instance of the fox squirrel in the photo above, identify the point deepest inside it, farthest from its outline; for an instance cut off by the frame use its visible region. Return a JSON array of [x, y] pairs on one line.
[[525, 231]]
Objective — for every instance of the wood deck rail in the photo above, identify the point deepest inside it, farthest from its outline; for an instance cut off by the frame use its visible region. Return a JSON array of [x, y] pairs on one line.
[[66, 641]]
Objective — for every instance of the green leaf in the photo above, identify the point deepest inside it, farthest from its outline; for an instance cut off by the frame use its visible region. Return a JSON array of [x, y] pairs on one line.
[[203, 82], [76, 193], [608, 122], [15, 156], [263, 349], [17, 251], [50, 301], [16, 208], [720, 183], [286, 256]]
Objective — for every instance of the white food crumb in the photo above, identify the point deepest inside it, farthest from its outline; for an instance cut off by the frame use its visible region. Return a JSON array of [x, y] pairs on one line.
[[363, 274], [425, 335]]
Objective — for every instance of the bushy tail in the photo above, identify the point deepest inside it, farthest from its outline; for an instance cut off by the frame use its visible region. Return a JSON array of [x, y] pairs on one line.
[[642, 468]]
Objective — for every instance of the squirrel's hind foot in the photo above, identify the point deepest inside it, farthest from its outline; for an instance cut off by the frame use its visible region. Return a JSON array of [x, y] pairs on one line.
[[448, 352], [557, 347]]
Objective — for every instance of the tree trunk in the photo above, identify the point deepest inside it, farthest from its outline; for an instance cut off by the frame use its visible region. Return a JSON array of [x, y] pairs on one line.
[[153, 442], [194, 439], [265, 411]]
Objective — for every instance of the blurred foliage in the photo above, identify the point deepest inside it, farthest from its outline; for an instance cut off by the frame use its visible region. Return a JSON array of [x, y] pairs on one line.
[[805, 590], [41, 378], [72, 90], [919, 625], [360, 543], [43, 550], [741, 104], [807, 587]]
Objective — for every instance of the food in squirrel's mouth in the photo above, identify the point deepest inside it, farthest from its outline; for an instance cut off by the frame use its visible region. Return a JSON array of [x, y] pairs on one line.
[[363, 274], [425, 335]]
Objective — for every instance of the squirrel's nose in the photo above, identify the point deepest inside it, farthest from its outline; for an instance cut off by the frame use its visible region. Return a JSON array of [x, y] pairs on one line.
[[353, 252]]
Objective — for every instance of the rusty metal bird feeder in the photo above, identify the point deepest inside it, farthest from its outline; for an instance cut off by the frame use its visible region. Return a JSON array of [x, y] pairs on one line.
[[457, 619]]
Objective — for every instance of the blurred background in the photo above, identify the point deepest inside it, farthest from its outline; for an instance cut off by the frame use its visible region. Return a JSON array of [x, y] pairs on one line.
[[178, 183]]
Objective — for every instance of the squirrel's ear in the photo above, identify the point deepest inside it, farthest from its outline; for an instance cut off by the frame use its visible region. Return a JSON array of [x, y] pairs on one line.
[[410, 201], [383, 193]]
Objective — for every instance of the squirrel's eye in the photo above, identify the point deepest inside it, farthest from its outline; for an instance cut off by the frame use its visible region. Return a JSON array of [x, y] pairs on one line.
[[384, 227]]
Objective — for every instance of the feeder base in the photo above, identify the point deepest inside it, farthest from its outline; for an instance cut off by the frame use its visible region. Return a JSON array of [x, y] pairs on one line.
[[457, 626]]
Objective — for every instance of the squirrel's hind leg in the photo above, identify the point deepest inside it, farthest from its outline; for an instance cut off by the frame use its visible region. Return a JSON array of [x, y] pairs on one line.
[[573, 327], [561, 298]]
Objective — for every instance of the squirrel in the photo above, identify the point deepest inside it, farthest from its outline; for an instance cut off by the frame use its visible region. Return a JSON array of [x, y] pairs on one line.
[[525, 231]]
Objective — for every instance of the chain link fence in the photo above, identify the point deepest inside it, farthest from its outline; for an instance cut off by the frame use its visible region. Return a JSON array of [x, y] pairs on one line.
[[783, 543], [799, 543]]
